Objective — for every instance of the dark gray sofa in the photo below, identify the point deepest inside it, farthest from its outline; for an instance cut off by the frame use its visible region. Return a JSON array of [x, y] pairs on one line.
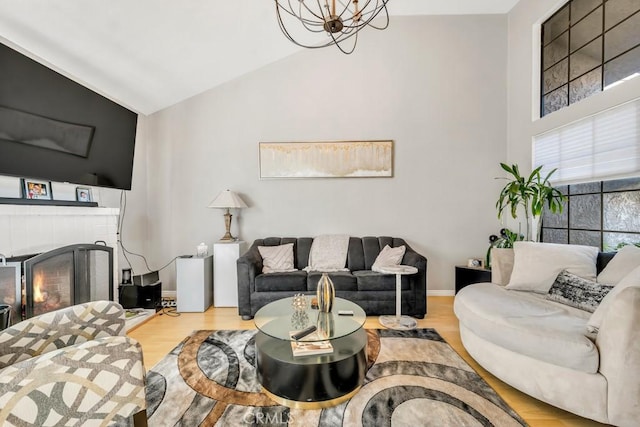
[[374, 292]]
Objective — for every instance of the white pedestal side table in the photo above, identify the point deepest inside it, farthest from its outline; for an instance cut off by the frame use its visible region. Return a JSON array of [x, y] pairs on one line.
[[398, 321], [194, 283], [225, 272]]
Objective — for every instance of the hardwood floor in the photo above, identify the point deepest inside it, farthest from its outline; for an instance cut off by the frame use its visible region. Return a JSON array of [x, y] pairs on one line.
[[163, 332]]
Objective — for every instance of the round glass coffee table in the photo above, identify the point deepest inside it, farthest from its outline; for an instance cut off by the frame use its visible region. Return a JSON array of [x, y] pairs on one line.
[[310, 381]]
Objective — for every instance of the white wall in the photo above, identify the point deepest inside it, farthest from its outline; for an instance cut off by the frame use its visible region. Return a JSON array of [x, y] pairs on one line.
[[524, 63], [435, 85]]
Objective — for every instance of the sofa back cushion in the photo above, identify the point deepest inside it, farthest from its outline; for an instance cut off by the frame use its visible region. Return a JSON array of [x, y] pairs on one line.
[[625, 261], [361, 254], [536, 265]]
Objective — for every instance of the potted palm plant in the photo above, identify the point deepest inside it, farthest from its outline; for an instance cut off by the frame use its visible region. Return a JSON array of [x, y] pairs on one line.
[[531, 194]]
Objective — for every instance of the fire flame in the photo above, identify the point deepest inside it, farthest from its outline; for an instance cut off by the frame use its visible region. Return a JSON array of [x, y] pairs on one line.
[[37, 287]]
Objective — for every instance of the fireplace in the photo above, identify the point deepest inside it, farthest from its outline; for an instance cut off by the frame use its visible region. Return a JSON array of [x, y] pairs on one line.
[[11, 288], [62, 277]]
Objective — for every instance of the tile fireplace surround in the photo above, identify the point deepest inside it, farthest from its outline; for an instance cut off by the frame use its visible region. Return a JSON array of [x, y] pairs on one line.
[[34, 229]]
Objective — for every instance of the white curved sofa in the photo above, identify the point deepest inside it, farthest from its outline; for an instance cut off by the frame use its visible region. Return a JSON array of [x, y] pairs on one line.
[[545, 348]]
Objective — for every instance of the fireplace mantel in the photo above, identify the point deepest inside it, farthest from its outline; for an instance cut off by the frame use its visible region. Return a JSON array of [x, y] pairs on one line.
[[27, 229]]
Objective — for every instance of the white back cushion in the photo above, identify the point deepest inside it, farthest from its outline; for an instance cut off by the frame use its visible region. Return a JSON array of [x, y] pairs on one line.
[[388, 256], [623, 263], [631, 279], [536, 265], [277, 259]]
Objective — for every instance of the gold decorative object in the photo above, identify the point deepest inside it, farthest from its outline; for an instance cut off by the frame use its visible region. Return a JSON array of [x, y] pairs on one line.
[[325, 293], [325, 325]]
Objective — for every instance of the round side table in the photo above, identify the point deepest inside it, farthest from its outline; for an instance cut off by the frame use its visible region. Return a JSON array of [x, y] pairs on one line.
[[398, 321]]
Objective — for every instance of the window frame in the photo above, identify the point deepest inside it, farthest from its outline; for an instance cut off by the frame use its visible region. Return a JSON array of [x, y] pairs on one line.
[[567, 7]]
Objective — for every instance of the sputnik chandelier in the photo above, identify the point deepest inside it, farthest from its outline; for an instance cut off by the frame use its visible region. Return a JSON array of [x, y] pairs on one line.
[[332, 22]]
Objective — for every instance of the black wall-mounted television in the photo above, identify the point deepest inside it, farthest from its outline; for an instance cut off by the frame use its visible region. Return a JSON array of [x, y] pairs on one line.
[[54, 129]]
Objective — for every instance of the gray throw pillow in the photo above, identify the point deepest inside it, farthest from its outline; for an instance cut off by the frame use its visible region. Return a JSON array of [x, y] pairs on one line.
[[577, 292]]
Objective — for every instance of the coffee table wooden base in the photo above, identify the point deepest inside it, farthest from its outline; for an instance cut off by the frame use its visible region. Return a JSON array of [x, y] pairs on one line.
[[311, 382]]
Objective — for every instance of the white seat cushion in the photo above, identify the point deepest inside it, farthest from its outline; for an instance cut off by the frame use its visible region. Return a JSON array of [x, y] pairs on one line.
[[527, 324]]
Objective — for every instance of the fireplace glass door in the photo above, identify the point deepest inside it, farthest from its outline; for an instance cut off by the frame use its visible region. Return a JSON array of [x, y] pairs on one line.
[[10, 289], [51, 284], [68, 276]]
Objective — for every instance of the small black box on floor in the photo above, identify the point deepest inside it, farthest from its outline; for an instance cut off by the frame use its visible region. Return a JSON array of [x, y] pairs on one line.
[[135, 296]]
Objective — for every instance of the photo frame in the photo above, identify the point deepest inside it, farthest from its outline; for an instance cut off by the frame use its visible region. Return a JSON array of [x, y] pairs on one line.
[[331, 159], [83, 194], [34, 189], [475, 263]]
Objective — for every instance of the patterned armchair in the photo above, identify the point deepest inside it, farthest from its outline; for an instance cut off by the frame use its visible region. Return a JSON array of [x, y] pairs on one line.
[[73, 366]]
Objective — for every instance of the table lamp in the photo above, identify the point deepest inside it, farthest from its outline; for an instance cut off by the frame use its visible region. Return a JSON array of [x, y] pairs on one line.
[[227, 200]]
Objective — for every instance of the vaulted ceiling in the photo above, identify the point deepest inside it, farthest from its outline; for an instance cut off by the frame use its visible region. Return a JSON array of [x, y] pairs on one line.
[[150, 54]]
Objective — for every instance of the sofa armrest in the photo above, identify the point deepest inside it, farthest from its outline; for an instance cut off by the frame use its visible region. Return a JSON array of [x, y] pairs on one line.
[[618, 341], [99, 380], [414, 259], [418, 281], [60, 328], [249, 266]]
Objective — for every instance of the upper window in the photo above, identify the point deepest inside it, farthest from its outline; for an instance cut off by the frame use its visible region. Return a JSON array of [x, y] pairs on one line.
[[587, 47]]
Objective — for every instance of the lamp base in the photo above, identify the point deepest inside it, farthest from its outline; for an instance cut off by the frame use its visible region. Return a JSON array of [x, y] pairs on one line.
[[227, 238], [227, 222]]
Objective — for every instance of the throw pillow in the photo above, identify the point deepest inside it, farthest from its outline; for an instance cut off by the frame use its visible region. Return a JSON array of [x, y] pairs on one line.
[[577, 292], [620, 265], [388, 256], [277, 259], [631, 279], [536, 265]]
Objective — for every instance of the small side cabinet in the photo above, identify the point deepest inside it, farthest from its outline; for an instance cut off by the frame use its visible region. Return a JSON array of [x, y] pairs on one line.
[[194, 283], [469, 275]]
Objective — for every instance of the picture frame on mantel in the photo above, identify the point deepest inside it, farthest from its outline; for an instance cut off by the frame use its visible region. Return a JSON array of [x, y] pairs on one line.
[[331, 159], [83, 194], [33, 189]]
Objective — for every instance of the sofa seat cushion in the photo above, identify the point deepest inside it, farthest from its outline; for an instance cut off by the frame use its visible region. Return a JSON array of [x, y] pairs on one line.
[[342, 280], [291, 281], [372, 281], [527, 324]]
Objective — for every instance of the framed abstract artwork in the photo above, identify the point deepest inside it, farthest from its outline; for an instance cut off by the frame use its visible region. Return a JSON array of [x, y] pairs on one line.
[[338, 159]]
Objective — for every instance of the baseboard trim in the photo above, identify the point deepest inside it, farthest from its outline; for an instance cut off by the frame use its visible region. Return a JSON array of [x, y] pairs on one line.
[[169, 294], [441, 293]]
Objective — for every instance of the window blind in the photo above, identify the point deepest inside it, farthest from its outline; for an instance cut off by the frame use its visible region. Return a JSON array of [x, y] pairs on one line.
[[599, 147]]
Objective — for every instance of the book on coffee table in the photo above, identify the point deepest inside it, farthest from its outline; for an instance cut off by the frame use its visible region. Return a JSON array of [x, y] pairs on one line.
[[310, 345]]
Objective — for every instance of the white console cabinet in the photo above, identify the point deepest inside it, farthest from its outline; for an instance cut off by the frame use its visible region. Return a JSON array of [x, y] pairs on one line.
[[194, 284], [225, 273]]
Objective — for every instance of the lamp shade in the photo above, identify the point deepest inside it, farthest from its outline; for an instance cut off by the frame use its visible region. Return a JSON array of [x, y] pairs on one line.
[[226, 200]]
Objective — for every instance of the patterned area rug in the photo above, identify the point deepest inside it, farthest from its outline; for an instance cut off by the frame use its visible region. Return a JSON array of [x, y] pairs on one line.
[[413, 378]]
